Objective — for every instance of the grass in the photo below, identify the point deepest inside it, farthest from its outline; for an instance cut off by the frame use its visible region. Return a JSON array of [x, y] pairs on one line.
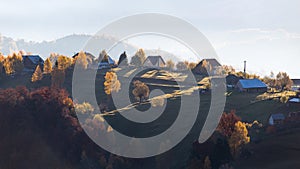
[[277, 152]]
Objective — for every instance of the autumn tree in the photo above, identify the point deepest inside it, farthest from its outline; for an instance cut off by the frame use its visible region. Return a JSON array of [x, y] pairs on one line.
[[139, 58], [227, 123], [111, 84], [140, 91], [170, 64], [103, 56], [283, 81], [81, 60], [238, 138], [37, 74], [1, 64], [181, 66], [57, 77], [207, 163], [64, 62], [47, 66], [13, 64], [192, 65]]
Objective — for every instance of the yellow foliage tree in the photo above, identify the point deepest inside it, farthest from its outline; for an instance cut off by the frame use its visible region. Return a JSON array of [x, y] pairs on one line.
[[37, 74], [1, 63], [238, 138], [81, 60], [13, 64], [64, 62], [111, 84], [140, 91], [170, 64], [47, 66], [139, 58]]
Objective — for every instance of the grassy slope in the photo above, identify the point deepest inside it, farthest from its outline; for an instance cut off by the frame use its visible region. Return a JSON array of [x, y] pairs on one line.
[[277, 152]]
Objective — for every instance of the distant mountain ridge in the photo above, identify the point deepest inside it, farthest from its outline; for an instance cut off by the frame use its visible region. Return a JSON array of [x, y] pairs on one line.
[[71, 44]]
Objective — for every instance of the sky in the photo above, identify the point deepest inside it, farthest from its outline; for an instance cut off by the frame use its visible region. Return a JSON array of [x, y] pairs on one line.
[[266, 33]]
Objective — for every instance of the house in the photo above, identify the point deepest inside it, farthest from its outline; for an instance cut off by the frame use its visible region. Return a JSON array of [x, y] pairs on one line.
[[251, 85], [232, 80], [154, 61], [106, 64], [31, 61], [210, 67], [296, 84], [293, 117], [276, 119], [294, 100]]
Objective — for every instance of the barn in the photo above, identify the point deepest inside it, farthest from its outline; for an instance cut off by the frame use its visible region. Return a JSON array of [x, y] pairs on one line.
[[154, 61], [31, 61], [213, 65], [276, 119], [251, 85]]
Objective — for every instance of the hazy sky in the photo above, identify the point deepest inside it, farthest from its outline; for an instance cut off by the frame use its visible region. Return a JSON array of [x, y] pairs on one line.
[[266, 33]]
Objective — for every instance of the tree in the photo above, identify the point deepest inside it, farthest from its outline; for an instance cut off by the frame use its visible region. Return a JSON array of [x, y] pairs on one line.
[[170, 64], [181, 66], [111, 84], [123, 61], [64, 62], [140, 91], [139, 58], [47, 66], [192, 65], [1, 63], [37, 74], [238, 138], [103, 56], [17, 61], [13, 64], [283, 81], [57, 77], [227, 123], [207, 163], [81, 60]]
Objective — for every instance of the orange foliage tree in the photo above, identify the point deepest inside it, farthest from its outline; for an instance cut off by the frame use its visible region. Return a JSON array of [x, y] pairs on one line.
[[37, 74], [111, 84]]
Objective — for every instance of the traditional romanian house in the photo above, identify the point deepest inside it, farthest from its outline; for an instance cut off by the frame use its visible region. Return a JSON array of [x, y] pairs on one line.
[[251, 85], [232, 80], [31, 61], [107, 64], [207, 67], [154, 61], [276, 119]]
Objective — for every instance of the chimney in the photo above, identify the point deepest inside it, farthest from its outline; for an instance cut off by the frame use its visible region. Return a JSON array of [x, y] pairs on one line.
[[245, 63]]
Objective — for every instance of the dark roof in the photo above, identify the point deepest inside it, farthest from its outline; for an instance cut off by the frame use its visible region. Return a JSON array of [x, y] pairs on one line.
[[233, 79], [155, 59], [110, 61], [278, 116], [213, 62], [252, 83], [296, 81], [35, 59]]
